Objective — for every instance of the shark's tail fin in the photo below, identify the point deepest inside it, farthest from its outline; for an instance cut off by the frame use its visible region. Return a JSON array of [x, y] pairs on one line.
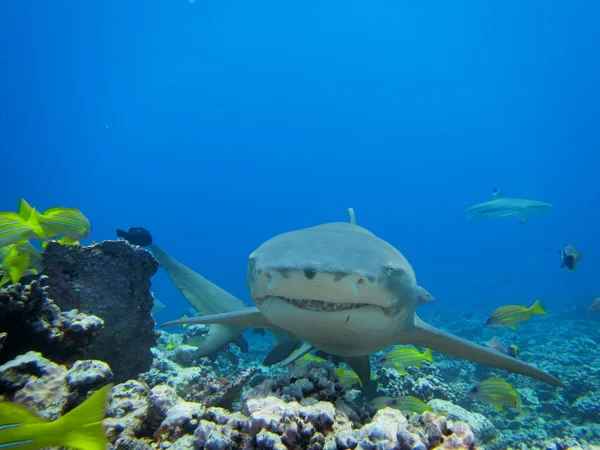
[[425, 335]]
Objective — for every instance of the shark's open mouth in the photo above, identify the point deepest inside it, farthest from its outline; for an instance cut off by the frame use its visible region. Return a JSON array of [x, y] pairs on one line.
[[320, 305]]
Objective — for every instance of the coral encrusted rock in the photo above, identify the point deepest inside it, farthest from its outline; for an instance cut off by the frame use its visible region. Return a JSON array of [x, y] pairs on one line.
[[110, 280]]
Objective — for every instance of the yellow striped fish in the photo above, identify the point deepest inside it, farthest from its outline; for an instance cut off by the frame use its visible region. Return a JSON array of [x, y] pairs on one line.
[[81, 428], [308, 358], [31, 224], [15, 228], [497, 392], [347, 377], [14, 266], [26, 247], [69, 222], [509, 316], [18, 260], [404, 403], [63, 240], [402, 357], [172, 345]]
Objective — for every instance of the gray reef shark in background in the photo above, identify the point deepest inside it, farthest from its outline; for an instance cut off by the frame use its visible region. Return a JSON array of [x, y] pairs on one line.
[[208, 298], [341, 289], [501, 206]]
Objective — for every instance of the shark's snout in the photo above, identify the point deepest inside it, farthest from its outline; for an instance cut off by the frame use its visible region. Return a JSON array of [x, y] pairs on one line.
[[309, 283]]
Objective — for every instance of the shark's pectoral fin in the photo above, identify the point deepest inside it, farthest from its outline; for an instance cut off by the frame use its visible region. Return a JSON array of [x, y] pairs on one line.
[[425, 335], [361, 365], [299, 353], [218, 337], [285, 346], [246, 317]]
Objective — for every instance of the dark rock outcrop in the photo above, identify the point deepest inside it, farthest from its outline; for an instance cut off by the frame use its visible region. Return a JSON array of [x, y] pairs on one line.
[[110, 280], [29, 320]]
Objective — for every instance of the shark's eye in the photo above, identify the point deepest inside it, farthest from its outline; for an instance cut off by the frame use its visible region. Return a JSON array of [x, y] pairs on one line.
[[360, 281], [310, 273]]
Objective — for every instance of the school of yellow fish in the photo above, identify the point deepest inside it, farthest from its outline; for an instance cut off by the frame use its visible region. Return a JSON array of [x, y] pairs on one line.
[[18, 257]]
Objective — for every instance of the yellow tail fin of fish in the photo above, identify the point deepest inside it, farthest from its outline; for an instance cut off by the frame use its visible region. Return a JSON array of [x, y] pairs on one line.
[[428, 356], [81, 427], [30, 216], [536, 308]]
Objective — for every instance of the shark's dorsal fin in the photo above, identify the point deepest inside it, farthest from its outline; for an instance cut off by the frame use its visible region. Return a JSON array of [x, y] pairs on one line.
[[497, 193], [352, 216]]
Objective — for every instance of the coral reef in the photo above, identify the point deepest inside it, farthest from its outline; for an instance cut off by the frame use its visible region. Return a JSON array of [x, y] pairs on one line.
[[170, 397], [49, 388], [303, 384], [424, 382], [111, 280], [271, 423], [139, 417], [482, 428], [199, 383], [550, 418], [29, 320]]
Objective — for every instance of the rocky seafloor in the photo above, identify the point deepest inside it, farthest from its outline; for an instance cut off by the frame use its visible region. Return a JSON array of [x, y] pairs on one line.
[[167, 397]]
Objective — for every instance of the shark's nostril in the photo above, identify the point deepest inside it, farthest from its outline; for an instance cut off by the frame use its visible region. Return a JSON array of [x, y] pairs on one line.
[[268, 277]]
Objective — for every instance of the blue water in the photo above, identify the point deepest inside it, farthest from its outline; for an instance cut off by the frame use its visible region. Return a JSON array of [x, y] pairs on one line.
[[217, 125]]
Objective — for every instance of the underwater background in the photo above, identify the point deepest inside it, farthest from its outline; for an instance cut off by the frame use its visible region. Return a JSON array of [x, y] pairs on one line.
[[217, 125]]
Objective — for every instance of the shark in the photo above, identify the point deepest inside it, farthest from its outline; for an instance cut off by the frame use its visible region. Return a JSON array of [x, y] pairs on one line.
[[340, 289], [502, 206]]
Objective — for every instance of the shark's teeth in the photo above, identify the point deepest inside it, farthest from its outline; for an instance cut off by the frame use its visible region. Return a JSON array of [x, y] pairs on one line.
[[320, 305]]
